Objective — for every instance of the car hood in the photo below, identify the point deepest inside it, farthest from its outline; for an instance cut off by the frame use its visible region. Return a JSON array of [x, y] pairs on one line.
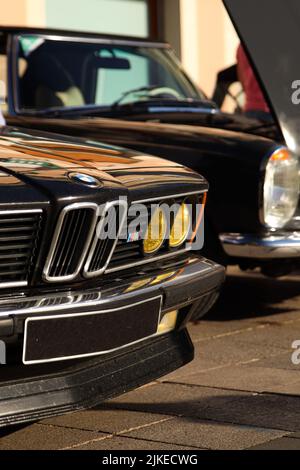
[[45, 162], [48, 150], [272, 47]]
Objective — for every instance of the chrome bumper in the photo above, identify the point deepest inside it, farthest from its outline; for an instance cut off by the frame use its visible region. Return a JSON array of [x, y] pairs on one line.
[[264, 248], [181, 284]]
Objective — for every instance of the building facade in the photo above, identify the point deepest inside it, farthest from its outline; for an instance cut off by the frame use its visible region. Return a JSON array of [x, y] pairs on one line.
[[199, 30]]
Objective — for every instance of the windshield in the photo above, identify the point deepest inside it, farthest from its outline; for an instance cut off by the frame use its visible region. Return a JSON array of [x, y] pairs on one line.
[[73, 73]]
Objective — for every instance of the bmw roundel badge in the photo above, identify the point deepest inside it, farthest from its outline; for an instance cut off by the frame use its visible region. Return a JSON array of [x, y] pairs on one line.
[[87, 180]]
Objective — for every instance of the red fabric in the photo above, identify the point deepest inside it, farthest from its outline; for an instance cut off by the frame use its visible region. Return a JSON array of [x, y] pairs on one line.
[[254, 98]]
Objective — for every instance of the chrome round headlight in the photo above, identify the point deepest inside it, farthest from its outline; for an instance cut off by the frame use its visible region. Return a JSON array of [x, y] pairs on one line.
[[181, 226], [281, 189], [156, 232]]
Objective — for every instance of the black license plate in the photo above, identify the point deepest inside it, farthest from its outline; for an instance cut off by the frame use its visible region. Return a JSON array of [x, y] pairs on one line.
[[71, 336]]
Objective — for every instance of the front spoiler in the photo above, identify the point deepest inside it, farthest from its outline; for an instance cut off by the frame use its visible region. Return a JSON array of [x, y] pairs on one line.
[[89, 382]]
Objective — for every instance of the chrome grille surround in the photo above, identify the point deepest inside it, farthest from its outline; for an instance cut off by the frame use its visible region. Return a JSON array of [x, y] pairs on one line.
[[89, 267], [57, 238]]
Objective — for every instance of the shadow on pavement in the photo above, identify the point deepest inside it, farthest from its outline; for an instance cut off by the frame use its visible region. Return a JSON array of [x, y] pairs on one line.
[[259, 410], [247, 296], [6, 431]]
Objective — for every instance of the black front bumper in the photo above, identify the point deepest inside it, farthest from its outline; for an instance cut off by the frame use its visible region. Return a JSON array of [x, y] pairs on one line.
[[52, 392], [30, 392]]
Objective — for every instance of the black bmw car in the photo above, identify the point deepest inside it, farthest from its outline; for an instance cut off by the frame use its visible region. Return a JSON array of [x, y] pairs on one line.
[[97, 278]]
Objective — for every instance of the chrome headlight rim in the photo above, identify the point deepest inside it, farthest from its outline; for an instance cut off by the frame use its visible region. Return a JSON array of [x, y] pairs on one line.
[[263, 216]]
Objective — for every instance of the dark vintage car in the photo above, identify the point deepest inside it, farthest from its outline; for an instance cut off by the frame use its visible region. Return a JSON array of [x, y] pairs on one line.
[[84, 316], [134, 93]]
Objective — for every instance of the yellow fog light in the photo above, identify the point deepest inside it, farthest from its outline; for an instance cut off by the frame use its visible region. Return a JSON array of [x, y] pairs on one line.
[[181, 226], [168, 322], [156, 232]]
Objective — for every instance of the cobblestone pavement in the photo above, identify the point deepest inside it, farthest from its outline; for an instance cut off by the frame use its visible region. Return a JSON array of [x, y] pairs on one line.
[[242, 390]]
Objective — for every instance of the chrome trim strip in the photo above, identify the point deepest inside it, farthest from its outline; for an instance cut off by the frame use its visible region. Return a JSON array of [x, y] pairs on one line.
[[95, 40], [38, 307], [21, 211], [55, 239], [101, 353], [7, 285], [269, 247], [88, 299], [180, 109], [163, 198], [122, 204]]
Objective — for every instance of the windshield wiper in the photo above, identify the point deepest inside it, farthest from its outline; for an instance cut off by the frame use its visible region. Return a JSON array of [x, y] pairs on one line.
[[134, 90], [93, 109], [69, 111], [149, 105], [135, 106]]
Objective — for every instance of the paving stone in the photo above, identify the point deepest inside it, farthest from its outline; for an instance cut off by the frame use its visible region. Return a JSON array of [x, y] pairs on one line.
[[279, 412], [289, 313], [121, 443], [40, 437], [208, 329], [173, 399], [280, 444], [251, 379], [195, 367], [243, 348], [197, 433], [108, 421], [279, 361], [290, 389], [234, 350], [272, 339]]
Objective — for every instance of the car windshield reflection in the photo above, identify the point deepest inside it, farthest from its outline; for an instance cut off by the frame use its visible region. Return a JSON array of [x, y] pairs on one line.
[[66, 74]]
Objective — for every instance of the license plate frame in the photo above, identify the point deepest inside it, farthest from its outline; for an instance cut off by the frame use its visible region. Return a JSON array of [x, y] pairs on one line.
[[37, 349]]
